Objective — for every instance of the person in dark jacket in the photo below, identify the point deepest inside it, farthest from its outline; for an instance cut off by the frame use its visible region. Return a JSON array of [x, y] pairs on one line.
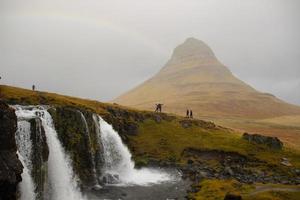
[[158, 107], [187, 113], [191, 114]]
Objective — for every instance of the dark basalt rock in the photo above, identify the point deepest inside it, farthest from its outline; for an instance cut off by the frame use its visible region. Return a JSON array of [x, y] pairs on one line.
[[232, 197], [39, 157], [245, 169], [126, 122], [272, 142], [10, 166]]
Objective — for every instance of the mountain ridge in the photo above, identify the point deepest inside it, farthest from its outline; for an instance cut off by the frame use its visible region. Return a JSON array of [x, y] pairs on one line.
[[194, 78]]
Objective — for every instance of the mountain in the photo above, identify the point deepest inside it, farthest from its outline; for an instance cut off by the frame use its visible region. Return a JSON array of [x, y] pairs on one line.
[[195, 79]]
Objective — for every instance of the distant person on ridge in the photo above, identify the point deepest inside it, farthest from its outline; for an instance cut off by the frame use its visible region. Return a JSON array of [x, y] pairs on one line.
[[191, 114], [187, 113], [33, 87], [158, 107]]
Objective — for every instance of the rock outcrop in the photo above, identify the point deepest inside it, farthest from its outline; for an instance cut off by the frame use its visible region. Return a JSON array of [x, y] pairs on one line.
[[230, 196], [77, 132], [10, 166], [272, 142], [39, 157]]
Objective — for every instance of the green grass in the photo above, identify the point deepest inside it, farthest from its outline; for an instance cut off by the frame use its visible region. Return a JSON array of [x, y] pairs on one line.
[[15, 95], [168, 139], [275, 195], [217, 189]]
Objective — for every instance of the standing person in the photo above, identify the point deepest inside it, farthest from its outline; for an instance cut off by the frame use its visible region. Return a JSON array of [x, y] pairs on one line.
[[160, 107], [156, 109], [187, 113], [33, 87], [191, 114]]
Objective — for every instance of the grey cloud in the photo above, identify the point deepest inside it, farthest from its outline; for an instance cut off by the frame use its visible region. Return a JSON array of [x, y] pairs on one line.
[[100, 49]]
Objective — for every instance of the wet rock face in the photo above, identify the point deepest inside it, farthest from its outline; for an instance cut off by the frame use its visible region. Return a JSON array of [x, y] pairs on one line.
[[126, 122], [73, 134], [10, 166], [40, 154], [8, 127], [272, 142]]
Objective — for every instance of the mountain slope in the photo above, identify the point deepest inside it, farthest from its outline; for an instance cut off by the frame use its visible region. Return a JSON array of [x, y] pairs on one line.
[[194, 78]]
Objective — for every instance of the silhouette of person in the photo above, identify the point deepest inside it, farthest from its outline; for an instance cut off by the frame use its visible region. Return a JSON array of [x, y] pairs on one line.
[[191, 114], [187, 113], [33, 87], [158, 107]]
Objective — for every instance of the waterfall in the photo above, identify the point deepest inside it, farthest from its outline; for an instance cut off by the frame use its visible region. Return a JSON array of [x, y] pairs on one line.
[[62, 183], [24, 145], [26, 186], [118, 162]]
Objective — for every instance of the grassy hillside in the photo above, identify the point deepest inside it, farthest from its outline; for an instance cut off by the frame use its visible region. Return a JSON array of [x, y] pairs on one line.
[[190, 145], [286, 127], [217, 189]]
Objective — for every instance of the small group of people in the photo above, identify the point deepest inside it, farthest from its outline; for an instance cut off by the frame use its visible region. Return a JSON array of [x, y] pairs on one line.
[[189, 113]]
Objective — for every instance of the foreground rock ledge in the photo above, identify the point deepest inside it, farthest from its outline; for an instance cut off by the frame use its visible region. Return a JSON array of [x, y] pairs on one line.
[[10, 166]]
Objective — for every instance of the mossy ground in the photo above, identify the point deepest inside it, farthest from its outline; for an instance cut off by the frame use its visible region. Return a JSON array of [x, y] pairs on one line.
[[14, 95], [168, 139], [217, 189]]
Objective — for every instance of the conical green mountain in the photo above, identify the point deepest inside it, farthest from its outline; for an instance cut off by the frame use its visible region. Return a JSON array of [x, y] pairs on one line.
[[194, 79]]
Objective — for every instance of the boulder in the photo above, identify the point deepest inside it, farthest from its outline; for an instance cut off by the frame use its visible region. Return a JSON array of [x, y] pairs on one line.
[[286, 162], [10, 166], [230, 196], [272, 142], [110, 179]]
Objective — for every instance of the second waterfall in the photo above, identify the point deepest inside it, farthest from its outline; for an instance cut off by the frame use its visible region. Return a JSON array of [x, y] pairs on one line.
[[118, 163]]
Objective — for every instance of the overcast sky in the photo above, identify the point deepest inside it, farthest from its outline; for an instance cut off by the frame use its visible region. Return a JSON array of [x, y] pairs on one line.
[[101, 48]]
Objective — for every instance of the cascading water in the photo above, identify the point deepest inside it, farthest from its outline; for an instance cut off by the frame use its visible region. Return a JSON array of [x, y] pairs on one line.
[[61, 179], [118, 163], [24, 153], [26, 186]]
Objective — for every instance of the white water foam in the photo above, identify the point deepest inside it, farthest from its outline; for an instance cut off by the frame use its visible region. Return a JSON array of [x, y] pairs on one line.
[[117, 160], [24, 145], [26, 187]]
